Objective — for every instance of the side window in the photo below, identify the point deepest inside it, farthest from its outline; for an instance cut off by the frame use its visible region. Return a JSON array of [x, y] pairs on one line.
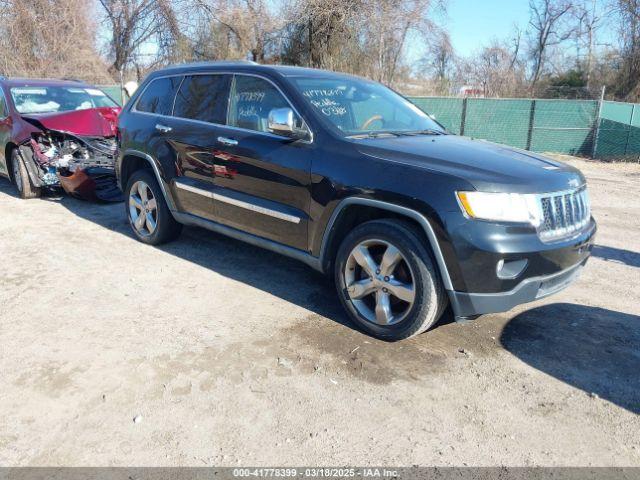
[[203, 97], [158, 96], [4, 111], [252, 99]]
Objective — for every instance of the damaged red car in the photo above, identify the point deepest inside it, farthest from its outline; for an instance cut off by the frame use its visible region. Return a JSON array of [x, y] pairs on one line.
[[58, 133]]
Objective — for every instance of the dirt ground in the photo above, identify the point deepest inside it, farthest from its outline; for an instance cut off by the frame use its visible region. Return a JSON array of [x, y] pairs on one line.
[[230, 355]]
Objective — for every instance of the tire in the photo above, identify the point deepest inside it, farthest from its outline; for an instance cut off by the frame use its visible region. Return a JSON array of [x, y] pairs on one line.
[[149, 217], [20, 176], [403, 267]]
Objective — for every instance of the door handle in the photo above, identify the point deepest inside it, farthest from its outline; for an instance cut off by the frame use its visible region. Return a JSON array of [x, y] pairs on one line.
[[163, 128], [228, 141]]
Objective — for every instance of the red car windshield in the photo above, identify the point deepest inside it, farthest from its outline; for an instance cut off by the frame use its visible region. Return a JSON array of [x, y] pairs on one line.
[[46, 99]]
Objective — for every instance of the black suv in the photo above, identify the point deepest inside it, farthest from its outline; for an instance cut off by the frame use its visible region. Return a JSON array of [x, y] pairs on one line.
[[354, 180]]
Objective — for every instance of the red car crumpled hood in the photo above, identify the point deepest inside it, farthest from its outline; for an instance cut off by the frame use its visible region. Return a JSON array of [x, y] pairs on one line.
[[92, 122]]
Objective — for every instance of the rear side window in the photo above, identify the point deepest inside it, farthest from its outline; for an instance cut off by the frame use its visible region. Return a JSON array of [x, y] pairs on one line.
[[158, 96], [4, 112], [204, 98]]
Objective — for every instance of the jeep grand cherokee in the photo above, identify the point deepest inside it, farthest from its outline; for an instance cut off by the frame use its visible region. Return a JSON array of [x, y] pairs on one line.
[[348, 176]]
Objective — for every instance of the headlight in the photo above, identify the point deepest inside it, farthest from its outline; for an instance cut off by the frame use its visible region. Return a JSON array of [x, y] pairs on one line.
[[501, 207]]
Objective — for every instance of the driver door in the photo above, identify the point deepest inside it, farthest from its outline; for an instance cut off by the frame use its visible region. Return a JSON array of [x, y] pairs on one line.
[[262, 180]]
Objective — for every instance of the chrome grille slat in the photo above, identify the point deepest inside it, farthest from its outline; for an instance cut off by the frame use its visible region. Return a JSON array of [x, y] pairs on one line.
[[574, 209], [568, 209], [580, 205], [563, 213], [554, 213]]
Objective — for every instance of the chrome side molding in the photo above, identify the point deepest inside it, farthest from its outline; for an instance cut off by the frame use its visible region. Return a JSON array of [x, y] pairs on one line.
[[238, 203]]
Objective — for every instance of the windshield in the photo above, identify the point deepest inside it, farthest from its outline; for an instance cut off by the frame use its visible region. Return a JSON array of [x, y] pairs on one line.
[[360, 107], [45, 99]]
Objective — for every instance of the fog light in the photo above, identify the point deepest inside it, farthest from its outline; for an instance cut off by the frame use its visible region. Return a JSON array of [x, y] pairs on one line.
[[510, 270]]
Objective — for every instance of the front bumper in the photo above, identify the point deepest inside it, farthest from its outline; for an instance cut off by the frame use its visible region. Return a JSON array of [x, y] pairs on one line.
[[472, 304], [547, 271]]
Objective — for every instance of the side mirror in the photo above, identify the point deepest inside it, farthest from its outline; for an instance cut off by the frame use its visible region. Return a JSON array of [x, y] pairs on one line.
[[282, 122]]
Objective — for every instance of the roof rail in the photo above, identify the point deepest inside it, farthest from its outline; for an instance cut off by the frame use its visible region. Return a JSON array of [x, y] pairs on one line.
[[230, 62], [214, 62], [68, 79]]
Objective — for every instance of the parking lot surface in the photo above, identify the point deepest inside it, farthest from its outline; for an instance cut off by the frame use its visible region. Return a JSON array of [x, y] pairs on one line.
[[208, 351]]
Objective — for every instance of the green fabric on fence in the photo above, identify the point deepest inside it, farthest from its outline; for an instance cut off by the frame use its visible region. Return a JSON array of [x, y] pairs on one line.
[[114, 92], [447, 111], [564, 126], [511, 115], [555, 126], [615, 129]]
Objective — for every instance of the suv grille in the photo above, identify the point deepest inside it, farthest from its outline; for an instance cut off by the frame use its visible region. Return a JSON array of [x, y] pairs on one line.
[[563, 214]]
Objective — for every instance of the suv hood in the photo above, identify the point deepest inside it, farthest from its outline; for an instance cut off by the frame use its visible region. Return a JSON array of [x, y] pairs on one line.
[[92, 122], [487, 166]]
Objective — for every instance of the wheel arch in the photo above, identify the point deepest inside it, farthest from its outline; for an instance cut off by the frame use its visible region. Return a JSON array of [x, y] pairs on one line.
[[354, 211], [8, 150], [26, 154], [133, 160]]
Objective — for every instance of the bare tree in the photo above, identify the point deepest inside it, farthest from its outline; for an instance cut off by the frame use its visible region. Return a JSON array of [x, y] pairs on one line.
[[548, 29], [331, 27], [494, 69], [238, 28], [589, 21], [388, 25], [516, 42], [439, 62], [49, 38], [627, 84], [366, 37], [133, 23], [441, 56]]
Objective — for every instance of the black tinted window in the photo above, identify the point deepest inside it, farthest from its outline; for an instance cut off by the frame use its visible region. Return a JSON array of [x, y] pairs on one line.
[[203, 97], [158, 96], [252, 100]]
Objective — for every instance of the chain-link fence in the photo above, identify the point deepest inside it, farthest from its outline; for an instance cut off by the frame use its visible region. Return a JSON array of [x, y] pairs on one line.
[[590, 128]]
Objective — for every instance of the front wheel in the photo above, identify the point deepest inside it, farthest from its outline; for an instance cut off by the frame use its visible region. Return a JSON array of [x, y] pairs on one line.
[[21, 178], [148, 213], [387, 281]]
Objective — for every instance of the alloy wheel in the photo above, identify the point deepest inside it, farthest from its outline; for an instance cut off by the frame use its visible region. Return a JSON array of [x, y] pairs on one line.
[[379, 281], [143, 209]]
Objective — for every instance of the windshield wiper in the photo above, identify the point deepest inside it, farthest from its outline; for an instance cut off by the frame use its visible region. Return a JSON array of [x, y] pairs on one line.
[[374, 134], [397, 133], [420, 132]]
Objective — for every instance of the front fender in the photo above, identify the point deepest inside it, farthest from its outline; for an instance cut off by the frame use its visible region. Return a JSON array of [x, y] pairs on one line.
[[410, 213]]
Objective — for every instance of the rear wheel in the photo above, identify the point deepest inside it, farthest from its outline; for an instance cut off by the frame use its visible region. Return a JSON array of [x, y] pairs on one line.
[[387, 281], [21, 178], [147, 211]]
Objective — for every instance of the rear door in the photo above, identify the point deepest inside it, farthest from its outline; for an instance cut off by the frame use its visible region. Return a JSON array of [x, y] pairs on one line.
[[190, 134], [263, 179]]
